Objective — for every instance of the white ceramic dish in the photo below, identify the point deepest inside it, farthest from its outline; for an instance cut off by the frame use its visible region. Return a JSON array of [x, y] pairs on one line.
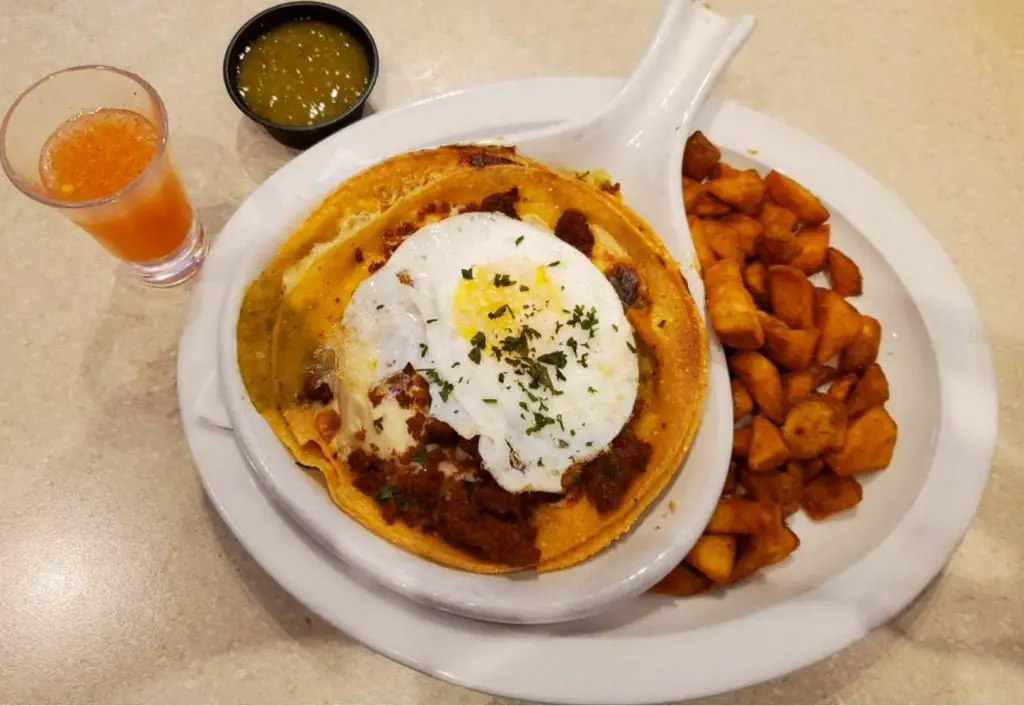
[[850, 574], [690, 47]]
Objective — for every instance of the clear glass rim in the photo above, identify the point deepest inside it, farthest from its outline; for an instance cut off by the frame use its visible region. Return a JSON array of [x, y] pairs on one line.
[[35, 195]]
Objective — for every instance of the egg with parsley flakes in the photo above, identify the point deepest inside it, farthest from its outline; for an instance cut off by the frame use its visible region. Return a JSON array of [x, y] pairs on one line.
[[522, 340]]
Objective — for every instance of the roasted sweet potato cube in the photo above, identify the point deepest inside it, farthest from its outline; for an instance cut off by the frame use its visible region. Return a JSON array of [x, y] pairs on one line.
[[755, 277], [783, 487], [723, 240], [843, 274], [786, 192], [700, 157], [729, 487], [731, 309], [811, 469], [744, 190], [872, 389], [691, 189], [821, 295], [763, 549], [840, 389], [767, 450], [705, 204], [741, 516], [864, 349], [741, 443], [828, 494], [698, 201], [713, 555], [798, 384], [705, 255], [777, 245], [763, 382], [742, 402], [747, 229], [839, 323], [681, 582], [813, 426], [791, 295], [788, 348], [870, 440], [813, 248]]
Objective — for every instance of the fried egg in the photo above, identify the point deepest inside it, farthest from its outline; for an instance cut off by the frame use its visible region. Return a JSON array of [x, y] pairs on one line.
[[522, 339]]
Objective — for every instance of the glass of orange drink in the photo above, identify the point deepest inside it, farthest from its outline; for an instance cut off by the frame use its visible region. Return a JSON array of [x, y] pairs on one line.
[[91, 141]]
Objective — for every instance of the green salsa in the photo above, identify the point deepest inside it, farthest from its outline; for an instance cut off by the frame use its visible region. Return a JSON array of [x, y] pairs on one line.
[[303, 72]]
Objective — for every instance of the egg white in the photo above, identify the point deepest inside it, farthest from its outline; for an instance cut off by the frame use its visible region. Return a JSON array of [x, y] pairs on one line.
[[420, 309]]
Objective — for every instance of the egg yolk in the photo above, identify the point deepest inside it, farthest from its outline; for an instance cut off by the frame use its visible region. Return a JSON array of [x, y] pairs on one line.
[[498, 303]]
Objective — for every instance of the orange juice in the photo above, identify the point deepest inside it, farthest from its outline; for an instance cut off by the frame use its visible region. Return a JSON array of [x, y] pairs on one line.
[[100, 154]]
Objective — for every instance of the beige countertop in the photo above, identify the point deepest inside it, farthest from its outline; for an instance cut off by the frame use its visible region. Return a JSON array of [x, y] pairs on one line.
[[118, 581]]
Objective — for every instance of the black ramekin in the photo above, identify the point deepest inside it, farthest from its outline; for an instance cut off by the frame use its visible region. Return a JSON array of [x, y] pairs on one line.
[[300, 136]]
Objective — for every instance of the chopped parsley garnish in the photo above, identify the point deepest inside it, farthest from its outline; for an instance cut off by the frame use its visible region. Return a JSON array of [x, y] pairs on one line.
[[423, 349], [615, 328], [467, 274], [562, 443], [561, 425], [490, 400], [503, 280], [555, 358], [478, 342], [586, 319], [539, 422], [446, 387], [556, 263], [591, 390], [385, 492], [379, 307], [519, 240], [419, 456], [515, 344], [501, 377], [661, 324], [631, 347], [499, 312], [523, 288], [431, 321], [378, 424]]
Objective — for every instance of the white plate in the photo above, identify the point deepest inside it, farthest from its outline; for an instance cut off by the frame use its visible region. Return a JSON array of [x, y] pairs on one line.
[[624, 570], [850, 574]]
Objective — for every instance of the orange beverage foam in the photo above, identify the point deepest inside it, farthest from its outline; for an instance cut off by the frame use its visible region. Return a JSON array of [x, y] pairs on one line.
[[96, 155]]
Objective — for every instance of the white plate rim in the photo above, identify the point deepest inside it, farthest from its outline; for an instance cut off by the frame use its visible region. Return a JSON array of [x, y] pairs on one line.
[[841, 610]]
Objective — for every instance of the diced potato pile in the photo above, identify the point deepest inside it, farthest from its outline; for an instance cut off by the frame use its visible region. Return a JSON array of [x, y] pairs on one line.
[[797, 443]]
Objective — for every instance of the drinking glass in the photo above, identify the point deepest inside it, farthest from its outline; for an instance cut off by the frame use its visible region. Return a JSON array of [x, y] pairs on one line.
[[148, 223]]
